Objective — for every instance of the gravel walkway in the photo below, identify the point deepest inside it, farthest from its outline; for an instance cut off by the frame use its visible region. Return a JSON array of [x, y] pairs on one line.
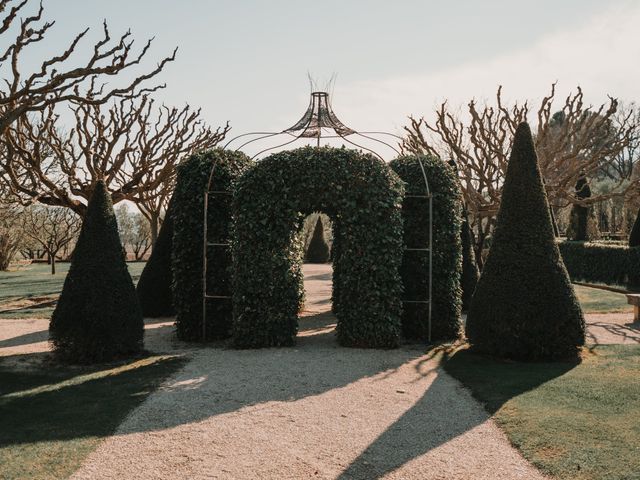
[[312, 411]]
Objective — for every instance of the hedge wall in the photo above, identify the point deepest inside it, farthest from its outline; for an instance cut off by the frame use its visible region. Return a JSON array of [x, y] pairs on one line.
[[606, 263], [362, 196], [188, 205], [447, 248]]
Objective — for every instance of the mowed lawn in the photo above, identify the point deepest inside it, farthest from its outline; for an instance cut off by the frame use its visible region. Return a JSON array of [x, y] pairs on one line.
[[53, 417], [24, 288], [573, 421]]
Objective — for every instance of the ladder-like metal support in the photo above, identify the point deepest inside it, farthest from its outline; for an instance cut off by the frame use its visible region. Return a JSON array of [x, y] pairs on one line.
[[208, 194], [428, 249]]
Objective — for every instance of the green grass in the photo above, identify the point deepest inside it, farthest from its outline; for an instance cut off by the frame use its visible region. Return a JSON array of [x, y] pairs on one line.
[[596, 300], [50, 420], [571, 421], [35, 282]]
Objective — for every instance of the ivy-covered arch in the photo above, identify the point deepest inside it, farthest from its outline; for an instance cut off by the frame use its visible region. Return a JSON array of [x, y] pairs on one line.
[[363, 196]]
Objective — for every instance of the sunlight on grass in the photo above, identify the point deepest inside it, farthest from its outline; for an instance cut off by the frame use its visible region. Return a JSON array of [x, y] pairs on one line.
[[53, 418], [571, 421], [595, 300]]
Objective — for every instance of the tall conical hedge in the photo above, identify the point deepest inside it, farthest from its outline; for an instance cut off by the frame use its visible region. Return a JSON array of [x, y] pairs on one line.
[[524, 306], [98, 317], [318, 250], [634, 236], [154, 286], [470, 271]]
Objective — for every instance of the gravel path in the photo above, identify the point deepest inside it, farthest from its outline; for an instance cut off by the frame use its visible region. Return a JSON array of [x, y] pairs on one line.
[[312, 411]]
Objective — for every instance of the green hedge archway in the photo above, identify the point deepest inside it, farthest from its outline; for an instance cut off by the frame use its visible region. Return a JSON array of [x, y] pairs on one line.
[[363, 197]]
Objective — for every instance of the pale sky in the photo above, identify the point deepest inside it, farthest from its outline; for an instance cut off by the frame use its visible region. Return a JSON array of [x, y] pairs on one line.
[[247, 61]]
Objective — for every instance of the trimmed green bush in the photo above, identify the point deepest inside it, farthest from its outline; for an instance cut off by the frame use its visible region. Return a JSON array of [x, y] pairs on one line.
[[524, 306], [154, 286], [602, 262], [447, 248], [187, 260], [318, 250], [98, 317], [362, 196], [634, 237], [470, 271]]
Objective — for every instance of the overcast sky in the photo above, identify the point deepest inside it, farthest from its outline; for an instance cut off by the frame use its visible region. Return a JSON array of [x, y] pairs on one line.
[[247, 61]]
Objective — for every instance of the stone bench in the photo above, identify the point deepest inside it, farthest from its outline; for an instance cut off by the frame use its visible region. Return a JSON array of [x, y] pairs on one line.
[[634, 299]]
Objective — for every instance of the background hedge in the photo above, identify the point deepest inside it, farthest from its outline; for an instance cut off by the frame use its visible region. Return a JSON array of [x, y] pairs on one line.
[[362, 196], [524, 306], [599, 262], [447, 248], [154, 286], [188, 212], [98, 317]]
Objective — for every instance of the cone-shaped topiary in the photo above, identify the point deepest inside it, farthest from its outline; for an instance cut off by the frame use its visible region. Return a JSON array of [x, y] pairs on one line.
[[583, 224], [524, 306], [154, 286], [318, 250], [470, 271], [98, 317], [634, 237]]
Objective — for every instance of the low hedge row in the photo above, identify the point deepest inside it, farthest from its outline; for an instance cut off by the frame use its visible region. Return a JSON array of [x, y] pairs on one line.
[[606, 263]]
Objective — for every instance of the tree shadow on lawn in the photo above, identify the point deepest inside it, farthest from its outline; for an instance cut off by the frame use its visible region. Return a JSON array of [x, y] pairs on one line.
[[60, 402]]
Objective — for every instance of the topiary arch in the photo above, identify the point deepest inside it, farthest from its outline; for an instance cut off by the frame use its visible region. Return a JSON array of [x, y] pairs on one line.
[[363, 197]]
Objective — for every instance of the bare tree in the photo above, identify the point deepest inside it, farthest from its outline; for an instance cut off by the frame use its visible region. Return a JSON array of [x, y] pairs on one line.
[[130, 144], [52, 228], [577, 139], [135, 232], [63, 77]]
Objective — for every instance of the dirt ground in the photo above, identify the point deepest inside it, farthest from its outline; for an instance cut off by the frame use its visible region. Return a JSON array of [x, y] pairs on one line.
[[312, 411]]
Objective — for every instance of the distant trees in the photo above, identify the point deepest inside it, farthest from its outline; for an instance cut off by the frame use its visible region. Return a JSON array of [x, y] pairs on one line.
[[135, 233], [577, 139], [52, 228]]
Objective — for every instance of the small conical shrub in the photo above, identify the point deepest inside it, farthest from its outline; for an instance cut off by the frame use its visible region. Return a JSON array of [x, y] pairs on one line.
[[634, 237], [582, 221], [470, 271], [98, 317], [154, 286], [318, 250], [524, 306]]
